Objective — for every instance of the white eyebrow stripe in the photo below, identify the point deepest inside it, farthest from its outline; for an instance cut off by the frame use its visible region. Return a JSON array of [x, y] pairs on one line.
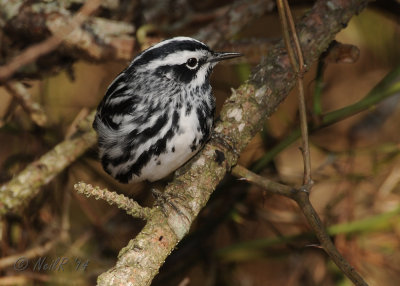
[[177, 58]]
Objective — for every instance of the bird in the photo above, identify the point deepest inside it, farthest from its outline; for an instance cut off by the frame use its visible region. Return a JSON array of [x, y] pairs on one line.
[[159, 111]]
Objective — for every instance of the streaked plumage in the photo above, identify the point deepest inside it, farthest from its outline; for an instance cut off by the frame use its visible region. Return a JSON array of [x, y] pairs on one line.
[[158, 112]]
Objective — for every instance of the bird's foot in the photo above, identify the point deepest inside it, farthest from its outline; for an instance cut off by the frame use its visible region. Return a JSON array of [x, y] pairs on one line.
[[166, 202], [225, 141]]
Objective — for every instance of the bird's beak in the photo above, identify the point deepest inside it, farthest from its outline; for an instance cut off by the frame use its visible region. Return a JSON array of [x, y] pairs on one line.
[[216, 57]]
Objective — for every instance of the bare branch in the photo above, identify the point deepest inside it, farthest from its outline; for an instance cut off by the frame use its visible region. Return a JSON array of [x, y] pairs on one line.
[[298, 66]]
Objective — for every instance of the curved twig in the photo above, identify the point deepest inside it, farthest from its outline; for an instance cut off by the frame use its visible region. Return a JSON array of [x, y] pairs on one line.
[[301, 197]]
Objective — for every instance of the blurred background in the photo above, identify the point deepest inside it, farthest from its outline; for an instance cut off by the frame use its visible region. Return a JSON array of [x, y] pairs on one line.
[[244, 236]]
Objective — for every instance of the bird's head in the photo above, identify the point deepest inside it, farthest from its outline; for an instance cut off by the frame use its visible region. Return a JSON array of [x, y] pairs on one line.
[[181, 59]]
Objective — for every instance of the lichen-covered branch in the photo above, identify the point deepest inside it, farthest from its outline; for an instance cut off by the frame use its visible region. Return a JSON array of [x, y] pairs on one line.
[[130, 206], [241, 118]]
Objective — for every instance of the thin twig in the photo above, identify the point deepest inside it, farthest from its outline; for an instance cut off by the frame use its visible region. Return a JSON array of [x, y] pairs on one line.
[[298, 66], [74, 126], [24, 98], [302, 199], [302, 196]]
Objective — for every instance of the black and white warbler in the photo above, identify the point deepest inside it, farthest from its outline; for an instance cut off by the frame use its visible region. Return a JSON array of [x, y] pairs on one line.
[[159, 111]]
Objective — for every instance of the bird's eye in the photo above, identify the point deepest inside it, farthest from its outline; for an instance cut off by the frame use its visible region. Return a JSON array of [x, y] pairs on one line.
[[191, 63]]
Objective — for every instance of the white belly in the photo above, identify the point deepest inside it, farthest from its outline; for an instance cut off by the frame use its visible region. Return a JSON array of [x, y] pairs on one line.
[[179, 149]]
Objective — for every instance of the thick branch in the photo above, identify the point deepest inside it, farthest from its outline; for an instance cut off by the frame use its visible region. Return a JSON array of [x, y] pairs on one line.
[[241, 118]]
